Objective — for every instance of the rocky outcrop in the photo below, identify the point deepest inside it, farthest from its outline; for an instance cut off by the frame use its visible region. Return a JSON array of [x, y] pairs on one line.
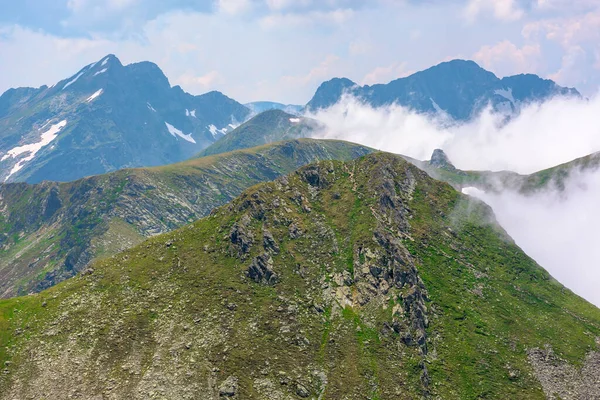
[[261, 270], [241, 237], [562, 380]]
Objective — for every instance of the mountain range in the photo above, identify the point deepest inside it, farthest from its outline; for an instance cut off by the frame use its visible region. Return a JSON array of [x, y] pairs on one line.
[[459, 89], [109, 116]]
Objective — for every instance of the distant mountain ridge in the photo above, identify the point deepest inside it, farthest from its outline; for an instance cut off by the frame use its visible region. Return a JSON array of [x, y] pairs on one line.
[[458, 88], [268, 127], [106, 117]]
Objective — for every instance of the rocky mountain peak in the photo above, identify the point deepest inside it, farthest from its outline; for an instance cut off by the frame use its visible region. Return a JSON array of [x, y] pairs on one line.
[[439, 159]]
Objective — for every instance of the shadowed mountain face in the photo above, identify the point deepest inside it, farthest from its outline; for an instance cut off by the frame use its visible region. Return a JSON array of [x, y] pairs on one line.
[[359, 279], [106, 117], [456, 88], [50, 231]]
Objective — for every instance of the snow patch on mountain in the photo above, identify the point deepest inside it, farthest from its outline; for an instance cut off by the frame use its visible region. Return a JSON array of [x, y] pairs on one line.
[[294, 120], [104, 62], [32, 148], [187, 112], [214, 130], [73, 80], [150, 107], [101, 71], [92, 65], [436, 106], [95, 95], [193, 113], [176, 132]]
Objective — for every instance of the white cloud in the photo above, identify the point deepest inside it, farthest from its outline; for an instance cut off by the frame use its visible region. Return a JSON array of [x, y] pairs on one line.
[[322, 71], [508, 59], [201, 83], [559, 231], [234, 6], [542, 136], [283, 4], [504, 10], [566, 31], [279, 20], [387, 74]]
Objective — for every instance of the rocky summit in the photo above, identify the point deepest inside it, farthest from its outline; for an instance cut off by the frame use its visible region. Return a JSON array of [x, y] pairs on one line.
[[344, 280]]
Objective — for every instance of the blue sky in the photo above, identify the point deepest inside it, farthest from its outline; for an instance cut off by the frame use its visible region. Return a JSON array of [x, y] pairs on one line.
[[281, 50]]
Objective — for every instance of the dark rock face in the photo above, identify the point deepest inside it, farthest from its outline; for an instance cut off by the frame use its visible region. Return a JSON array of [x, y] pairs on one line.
[[53, 203], [241, 237], [439, 159], [261, 270], [269, 242]]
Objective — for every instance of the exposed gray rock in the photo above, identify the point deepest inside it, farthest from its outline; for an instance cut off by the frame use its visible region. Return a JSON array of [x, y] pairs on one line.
[[302, 391], [261, 270], [229, 387], [561, 380], [295, 231], [269, 242], [241, 236]]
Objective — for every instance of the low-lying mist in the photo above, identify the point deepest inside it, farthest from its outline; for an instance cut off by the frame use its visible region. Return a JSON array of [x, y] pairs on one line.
[[559, 229], [542, 136]]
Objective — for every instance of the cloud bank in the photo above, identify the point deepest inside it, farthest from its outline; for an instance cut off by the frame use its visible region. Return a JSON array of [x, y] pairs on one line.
[[542, 136], [557, 229]]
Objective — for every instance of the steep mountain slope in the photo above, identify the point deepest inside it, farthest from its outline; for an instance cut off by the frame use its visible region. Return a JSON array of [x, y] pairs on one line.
[[106, 117], [50, 231], [364, 279], [457, 88], [267, 127]]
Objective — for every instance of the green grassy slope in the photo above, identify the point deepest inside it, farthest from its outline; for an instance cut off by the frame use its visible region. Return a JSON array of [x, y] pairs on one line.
[[267, 127], [50, 231], [357, 280]]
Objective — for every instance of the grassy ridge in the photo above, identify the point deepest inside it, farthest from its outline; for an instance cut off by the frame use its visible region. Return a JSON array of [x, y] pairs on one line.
[[365, 253], [50, 231]]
